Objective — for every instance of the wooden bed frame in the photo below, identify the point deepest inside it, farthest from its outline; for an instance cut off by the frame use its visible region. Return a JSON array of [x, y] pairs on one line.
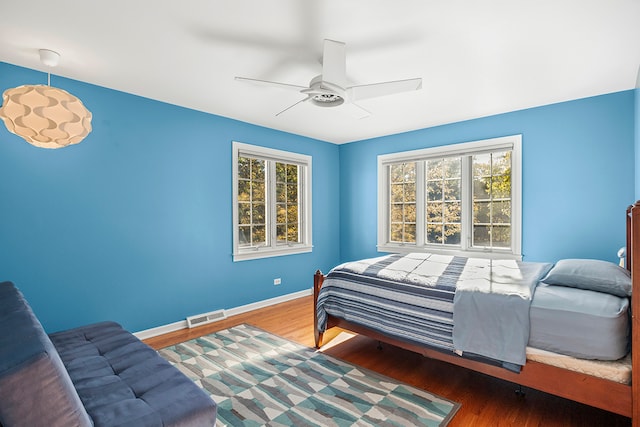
[[608, 395]]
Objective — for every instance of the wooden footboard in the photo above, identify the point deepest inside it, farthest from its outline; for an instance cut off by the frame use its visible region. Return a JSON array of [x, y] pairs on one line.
[[604, 394]]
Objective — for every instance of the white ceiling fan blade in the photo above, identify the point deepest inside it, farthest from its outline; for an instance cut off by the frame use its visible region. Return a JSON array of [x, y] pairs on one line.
[[354, 110], [272, 84], [291, 106], [357, 93], [334, 63]]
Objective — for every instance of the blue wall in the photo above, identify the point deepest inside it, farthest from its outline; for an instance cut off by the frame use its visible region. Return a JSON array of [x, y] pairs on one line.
[[578, 176], [134, 224]]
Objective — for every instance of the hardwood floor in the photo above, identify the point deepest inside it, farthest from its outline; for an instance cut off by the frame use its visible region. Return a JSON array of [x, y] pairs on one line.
[[486, 401]]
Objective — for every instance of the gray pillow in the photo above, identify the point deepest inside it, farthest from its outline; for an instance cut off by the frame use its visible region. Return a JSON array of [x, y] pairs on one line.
[[591, 274]]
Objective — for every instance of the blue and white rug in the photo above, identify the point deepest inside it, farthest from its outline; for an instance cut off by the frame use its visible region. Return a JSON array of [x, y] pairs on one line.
[[259, 379]]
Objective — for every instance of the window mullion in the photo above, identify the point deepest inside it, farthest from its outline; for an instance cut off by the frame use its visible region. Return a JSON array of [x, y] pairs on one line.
[[467, 204], [300, 201], [302, 226], [384, 208], [420, 204], [271, 203]]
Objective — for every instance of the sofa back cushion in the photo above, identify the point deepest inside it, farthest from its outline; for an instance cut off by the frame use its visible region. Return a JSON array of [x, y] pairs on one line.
[[35, 388]]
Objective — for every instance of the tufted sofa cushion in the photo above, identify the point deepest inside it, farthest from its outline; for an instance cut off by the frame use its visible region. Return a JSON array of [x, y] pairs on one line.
[[122, 381]]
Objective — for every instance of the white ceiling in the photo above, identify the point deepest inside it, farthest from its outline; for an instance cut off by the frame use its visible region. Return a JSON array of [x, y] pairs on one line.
[[476, 58]]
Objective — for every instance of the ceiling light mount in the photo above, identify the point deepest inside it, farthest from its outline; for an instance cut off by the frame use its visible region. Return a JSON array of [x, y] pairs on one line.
[[49, 58]]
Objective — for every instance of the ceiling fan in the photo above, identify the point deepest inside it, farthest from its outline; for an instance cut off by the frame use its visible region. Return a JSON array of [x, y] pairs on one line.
[[330, 89]]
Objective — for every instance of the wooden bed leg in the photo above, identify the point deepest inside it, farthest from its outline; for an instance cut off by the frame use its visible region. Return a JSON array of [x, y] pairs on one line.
[[318, 338], [379, 346]]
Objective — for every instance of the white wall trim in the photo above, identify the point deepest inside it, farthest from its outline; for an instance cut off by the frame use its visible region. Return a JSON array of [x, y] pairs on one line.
[[464, 248], [176, 326], [160, 330], [305, 208]]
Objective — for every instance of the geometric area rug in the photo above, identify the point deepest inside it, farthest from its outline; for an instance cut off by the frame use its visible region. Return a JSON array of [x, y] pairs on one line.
[[260, 379]]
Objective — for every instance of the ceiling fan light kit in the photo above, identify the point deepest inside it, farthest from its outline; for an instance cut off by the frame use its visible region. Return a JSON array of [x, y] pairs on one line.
[[45, 116], [323, 96], [330, 89], [327, 100]]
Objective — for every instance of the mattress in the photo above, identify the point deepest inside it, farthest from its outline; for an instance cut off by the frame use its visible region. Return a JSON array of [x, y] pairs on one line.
[[579, 323], [613, 370]]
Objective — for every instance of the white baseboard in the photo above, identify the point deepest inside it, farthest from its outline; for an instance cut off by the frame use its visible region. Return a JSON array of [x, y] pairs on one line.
[[176, 326], [160, 330]]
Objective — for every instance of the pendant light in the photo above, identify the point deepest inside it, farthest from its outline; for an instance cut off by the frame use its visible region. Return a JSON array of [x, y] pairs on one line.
[[45, 116]]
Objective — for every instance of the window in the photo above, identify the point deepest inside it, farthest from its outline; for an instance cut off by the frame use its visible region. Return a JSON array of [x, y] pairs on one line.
[[462, 199], [271, 202]]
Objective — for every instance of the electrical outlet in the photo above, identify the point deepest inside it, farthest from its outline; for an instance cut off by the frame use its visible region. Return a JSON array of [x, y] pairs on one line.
[[277, 281]]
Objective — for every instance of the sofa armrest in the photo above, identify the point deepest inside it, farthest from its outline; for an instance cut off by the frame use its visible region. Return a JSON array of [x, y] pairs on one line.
[[35, 388]]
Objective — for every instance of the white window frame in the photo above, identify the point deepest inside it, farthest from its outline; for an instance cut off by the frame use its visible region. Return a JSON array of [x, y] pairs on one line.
[[513, 142], [304, 209]]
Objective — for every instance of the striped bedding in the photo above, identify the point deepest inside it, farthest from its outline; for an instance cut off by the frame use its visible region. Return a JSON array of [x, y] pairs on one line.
[[412, 297], [378, 293]]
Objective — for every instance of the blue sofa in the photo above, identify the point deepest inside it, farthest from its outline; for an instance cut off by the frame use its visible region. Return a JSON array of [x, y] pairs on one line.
[[95, 375]]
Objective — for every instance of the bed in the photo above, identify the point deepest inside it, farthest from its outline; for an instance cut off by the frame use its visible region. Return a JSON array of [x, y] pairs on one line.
[[435, 306]]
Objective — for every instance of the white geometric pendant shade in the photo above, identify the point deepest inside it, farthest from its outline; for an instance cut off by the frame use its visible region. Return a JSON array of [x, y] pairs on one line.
[[45, 116]]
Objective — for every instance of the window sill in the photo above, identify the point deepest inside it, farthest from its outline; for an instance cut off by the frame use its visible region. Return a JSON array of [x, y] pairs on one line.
[[391, 248], [269, 252]]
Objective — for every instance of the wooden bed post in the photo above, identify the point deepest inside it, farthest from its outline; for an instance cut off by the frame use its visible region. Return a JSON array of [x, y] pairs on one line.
[[318, 278], [629, 254], [633, 264]]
